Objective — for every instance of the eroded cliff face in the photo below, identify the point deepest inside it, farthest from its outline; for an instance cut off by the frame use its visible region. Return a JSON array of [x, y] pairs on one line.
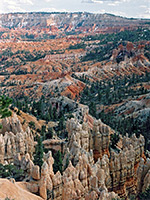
[[121, 173], [95, 170], [79, 182], [82, 137], [65, 21], [13, 139], [120, 166]]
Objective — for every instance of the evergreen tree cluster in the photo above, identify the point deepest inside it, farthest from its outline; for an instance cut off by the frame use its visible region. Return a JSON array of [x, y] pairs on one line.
[[108, 42], [46, 133], [145, 195], [140, 34], [11, 171], [41, 109], [39, 151], [57, 162], [128, 125], [44, 110], [109, 92], [113, 91], [4, 105]]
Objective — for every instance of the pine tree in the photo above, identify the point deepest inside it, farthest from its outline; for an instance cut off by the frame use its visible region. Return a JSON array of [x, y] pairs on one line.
[[58, 162], [50, 110], [67, 163], [145, 195], [4, 104], [49, 134], [92, 109], [55, 117], [99, 95], [114, 140], [61, 124], [38, 156], [43, 132], [32, 124]]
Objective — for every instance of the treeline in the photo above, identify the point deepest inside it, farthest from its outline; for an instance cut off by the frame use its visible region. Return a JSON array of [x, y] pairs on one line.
[[40, 37]]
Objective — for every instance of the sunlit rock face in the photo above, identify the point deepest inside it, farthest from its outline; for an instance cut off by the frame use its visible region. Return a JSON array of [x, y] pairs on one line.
[[14, 139]]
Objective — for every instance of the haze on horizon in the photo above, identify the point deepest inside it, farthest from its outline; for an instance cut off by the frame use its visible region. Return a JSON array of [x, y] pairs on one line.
[[125, 8]]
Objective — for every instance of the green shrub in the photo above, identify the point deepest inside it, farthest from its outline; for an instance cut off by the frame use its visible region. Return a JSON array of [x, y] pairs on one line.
[[38, 156], [11, 171], [7, 198], [4, 104], [145, 195]]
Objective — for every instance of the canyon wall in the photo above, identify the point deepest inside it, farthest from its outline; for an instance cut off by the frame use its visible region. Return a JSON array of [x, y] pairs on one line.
[[95, 170]]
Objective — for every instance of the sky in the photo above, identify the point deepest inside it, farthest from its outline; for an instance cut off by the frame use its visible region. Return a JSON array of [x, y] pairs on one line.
[[126, 8]]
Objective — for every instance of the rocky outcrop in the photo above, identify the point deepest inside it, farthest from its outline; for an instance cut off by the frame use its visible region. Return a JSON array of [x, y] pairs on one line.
[[14, 140], [143, 175], [122, 174], [97, 139], [15, 191], [117, 173], [120, 166], [54, 144], [95, 170], [35, 172], [25, 163], [11, 124], [100, 139], [146, 181], [78, 134], [79, 182]]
